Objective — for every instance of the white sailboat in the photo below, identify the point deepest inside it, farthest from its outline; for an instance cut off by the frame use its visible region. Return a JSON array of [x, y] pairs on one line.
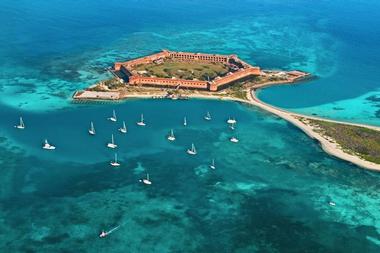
[[146, 180], [212, 165], [234, 140], [171, 136], [112, 143], [113, 118], [21, 125], [192, 151], [123, 129], [231, 120], [184, 121], [115, 163], [141, 122], [92, 129], [47, 146], [208, 116]]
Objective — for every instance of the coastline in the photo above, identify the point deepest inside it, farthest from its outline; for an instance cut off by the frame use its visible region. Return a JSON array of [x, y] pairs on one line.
[[328, 145]]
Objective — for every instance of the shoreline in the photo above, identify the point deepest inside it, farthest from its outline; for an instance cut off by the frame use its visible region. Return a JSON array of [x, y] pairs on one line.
[[331, 148]]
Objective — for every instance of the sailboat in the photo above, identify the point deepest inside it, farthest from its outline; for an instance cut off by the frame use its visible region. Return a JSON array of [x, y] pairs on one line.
[[234, 140], [141, 122], [171, 136], [231, 120], [92, 129], [192, 151], [112, 143], [208, 116], [146, 180], [184, 121], [21, 125], [115, 163], [212, 165], [123, 129], [113, 118], [47, 146]]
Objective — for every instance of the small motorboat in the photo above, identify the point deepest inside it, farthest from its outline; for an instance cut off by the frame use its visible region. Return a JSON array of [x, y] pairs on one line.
[[103, 234], [113, 118], [184, 121], [123, 129], [234, 140], [114, 163], [112, 143], [21, 124], [192, 151], [171, 136], [212, 165], [91, 131], [232, 126], [47, 146], [141, 122], [208, 116], [332, 203]]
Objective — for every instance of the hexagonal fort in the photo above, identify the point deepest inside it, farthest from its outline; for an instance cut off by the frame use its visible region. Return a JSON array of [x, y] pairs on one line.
[[185, 70]]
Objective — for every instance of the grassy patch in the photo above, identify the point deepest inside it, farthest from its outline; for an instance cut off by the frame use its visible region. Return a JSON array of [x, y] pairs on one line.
[[183, 70], [360, 141]]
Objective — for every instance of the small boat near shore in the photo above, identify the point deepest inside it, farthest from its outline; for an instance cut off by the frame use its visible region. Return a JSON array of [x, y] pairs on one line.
[[171, 136], [231, 120], [184, 121], [208, 116], [141, 122], [115, 163], [112, 143], [91, 131], [146, 180], [123, 129], [21, 124], [192, 150], [47, 146], [212, 165], [234, 140], [113, 118]]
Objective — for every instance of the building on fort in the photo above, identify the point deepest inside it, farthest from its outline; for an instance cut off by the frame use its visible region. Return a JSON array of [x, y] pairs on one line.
[[238, 70]]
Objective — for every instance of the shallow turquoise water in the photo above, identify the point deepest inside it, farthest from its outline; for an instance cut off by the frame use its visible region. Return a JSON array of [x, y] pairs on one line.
[[269, 193]]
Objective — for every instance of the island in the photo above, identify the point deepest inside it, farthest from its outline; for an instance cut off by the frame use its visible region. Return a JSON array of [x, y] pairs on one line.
[[183, 75]]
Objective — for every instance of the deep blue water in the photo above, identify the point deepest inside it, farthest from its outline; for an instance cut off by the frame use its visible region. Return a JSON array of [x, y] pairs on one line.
[[269, 193]]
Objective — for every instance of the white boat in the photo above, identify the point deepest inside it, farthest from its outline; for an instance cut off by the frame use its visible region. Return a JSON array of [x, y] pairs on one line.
[[208, 116], [234, 140], [21, 125], [231, 120], [171, 136], [112, 143], [113, 118], [123, 129], [146, 180], [232, 126], [184, 121], [212, 165], [48, 146], [141, 122], [192, 151], [115, 163], [92, 129], [331, 203]]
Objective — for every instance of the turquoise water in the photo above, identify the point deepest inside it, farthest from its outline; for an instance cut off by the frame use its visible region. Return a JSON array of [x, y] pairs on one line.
[[269, 193]]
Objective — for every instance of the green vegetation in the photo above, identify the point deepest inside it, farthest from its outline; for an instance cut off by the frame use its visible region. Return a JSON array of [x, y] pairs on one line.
[[183, 70], [360, 141]]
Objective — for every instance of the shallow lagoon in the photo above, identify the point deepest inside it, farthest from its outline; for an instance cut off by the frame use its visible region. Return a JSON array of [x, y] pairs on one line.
[[270, 192]]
